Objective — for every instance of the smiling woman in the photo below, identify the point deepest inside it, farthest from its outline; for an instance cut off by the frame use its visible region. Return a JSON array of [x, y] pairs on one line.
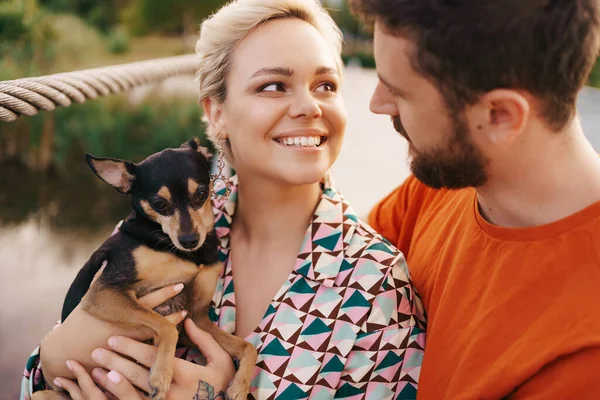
[[328, 304]]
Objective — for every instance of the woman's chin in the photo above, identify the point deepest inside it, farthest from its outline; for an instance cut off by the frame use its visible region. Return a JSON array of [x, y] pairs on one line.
[[304, 177]]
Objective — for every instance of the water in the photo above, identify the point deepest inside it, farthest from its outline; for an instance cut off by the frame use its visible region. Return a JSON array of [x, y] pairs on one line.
[[49, 229]]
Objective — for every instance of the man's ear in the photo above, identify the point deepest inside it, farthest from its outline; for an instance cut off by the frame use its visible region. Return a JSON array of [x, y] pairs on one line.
[[507, 113], [120, 174], [194, 144]]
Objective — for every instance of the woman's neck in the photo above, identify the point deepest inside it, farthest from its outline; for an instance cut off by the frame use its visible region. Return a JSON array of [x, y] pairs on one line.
[[269, 213]]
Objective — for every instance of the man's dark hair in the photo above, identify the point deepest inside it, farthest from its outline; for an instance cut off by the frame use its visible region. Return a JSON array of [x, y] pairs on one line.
[[469, 47]]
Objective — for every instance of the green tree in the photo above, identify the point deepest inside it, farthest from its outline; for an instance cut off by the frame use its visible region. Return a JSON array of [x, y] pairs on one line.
[[104, 14], [175, 16], [26, 39]]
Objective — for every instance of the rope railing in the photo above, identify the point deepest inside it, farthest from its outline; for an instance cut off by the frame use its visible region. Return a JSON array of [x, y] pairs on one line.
[[26, 96]]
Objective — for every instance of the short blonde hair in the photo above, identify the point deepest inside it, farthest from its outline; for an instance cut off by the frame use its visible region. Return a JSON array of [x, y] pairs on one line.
[[220, 33]]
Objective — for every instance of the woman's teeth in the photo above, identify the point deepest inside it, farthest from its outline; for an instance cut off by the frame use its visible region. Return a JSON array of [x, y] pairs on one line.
[[301, 141]]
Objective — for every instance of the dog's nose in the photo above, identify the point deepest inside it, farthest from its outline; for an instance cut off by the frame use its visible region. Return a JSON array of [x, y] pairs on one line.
[[189, 241]]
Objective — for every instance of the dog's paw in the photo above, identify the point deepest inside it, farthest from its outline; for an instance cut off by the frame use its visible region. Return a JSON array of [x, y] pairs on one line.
[[160, 380], [238, 391]]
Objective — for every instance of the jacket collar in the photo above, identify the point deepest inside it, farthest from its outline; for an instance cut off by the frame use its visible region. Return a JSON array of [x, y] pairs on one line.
[[322, 255]]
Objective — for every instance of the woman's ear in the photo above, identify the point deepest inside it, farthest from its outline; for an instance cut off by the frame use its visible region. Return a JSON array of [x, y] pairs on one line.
[[214, 114]]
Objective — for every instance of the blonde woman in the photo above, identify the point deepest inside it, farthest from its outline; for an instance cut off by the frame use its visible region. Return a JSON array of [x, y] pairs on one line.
[[325, 300]]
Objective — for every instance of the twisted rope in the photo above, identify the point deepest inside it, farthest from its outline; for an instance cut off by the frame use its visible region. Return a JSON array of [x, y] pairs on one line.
[[26, 96]]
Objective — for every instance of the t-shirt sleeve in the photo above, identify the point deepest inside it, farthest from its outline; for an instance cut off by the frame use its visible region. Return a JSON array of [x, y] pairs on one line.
[[395, 216], [573, 376]]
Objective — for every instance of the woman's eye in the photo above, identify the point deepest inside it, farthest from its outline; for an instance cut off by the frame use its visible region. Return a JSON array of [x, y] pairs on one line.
[[273, 87], [327, 87]]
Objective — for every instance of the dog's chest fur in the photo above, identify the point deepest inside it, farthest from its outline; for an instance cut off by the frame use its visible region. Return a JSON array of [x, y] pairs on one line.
[[156, 269]]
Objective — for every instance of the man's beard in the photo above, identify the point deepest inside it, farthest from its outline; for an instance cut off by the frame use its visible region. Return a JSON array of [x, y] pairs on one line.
[[458, 165]]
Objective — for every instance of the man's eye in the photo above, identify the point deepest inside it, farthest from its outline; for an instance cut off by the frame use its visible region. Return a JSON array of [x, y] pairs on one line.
[[272, 87]]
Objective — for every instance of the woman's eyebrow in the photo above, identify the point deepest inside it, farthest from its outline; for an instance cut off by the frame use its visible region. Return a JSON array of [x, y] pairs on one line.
[[326, 71], [273, 71]]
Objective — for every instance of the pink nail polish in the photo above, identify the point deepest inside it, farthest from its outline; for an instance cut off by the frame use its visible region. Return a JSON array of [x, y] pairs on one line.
[[69, 365], [57, 383], [178, 287], [112, 341], [114, 377]]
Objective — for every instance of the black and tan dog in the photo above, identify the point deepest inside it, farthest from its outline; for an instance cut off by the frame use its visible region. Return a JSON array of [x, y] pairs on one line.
[[167, 239]]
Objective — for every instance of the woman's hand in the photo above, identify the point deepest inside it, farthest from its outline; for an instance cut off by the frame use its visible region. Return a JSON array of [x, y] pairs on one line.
[[190, 381], [85, 388], [81, 333]]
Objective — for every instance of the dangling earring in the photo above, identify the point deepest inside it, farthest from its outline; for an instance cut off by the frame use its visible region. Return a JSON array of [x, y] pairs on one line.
[[220, 176]]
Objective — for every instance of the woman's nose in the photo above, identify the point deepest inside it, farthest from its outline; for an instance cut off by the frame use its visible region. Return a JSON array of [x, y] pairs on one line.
[[305, 105]]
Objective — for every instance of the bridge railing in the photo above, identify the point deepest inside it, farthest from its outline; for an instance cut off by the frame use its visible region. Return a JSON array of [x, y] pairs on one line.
[[27, 96]]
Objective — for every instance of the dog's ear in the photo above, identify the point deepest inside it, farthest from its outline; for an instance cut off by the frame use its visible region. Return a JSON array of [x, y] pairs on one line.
[[117, 173], [194, 144]]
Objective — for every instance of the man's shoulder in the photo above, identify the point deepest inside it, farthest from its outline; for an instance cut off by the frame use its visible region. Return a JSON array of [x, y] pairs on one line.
[[396, 216], [414, 197]]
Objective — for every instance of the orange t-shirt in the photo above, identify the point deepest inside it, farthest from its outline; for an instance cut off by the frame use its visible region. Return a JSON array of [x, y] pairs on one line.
[[512, 313]]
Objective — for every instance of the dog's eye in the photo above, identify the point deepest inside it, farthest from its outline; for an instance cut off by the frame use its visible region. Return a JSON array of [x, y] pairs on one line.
[[200, 196], [160, 205]]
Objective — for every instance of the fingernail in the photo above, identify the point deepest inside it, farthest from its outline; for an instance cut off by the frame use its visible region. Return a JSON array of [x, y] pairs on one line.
[[112, 341], [97, 374], [57, 383], [98, 355], [69, 365], [114, 377], [178, 287], [184, 313]]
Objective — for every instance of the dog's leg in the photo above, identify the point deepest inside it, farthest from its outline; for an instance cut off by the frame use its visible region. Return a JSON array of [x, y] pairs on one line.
[[240, 350], [117, 307], [204, 285]]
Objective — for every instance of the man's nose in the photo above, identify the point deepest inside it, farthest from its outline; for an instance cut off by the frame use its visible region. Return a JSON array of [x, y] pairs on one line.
[[382, 102]]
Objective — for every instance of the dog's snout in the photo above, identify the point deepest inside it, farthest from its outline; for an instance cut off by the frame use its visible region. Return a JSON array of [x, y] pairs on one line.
[[189, 241]]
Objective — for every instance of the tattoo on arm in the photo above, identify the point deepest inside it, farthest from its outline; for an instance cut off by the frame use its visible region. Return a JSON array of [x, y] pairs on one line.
[[207, 392]]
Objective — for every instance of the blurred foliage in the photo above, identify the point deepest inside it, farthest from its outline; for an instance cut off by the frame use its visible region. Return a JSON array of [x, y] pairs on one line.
[[595, 76], [110, 127], [118, 41], [26, 38], [143, 17], [352, 27], [365, 58], [103, 15]]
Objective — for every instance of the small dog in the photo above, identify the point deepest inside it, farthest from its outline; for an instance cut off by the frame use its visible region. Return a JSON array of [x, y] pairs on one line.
[[167, 239]]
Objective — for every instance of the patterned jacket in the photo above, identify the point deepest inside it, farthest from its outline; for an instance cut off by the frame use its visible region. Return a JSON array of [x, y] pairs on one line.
[[346, 324]]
